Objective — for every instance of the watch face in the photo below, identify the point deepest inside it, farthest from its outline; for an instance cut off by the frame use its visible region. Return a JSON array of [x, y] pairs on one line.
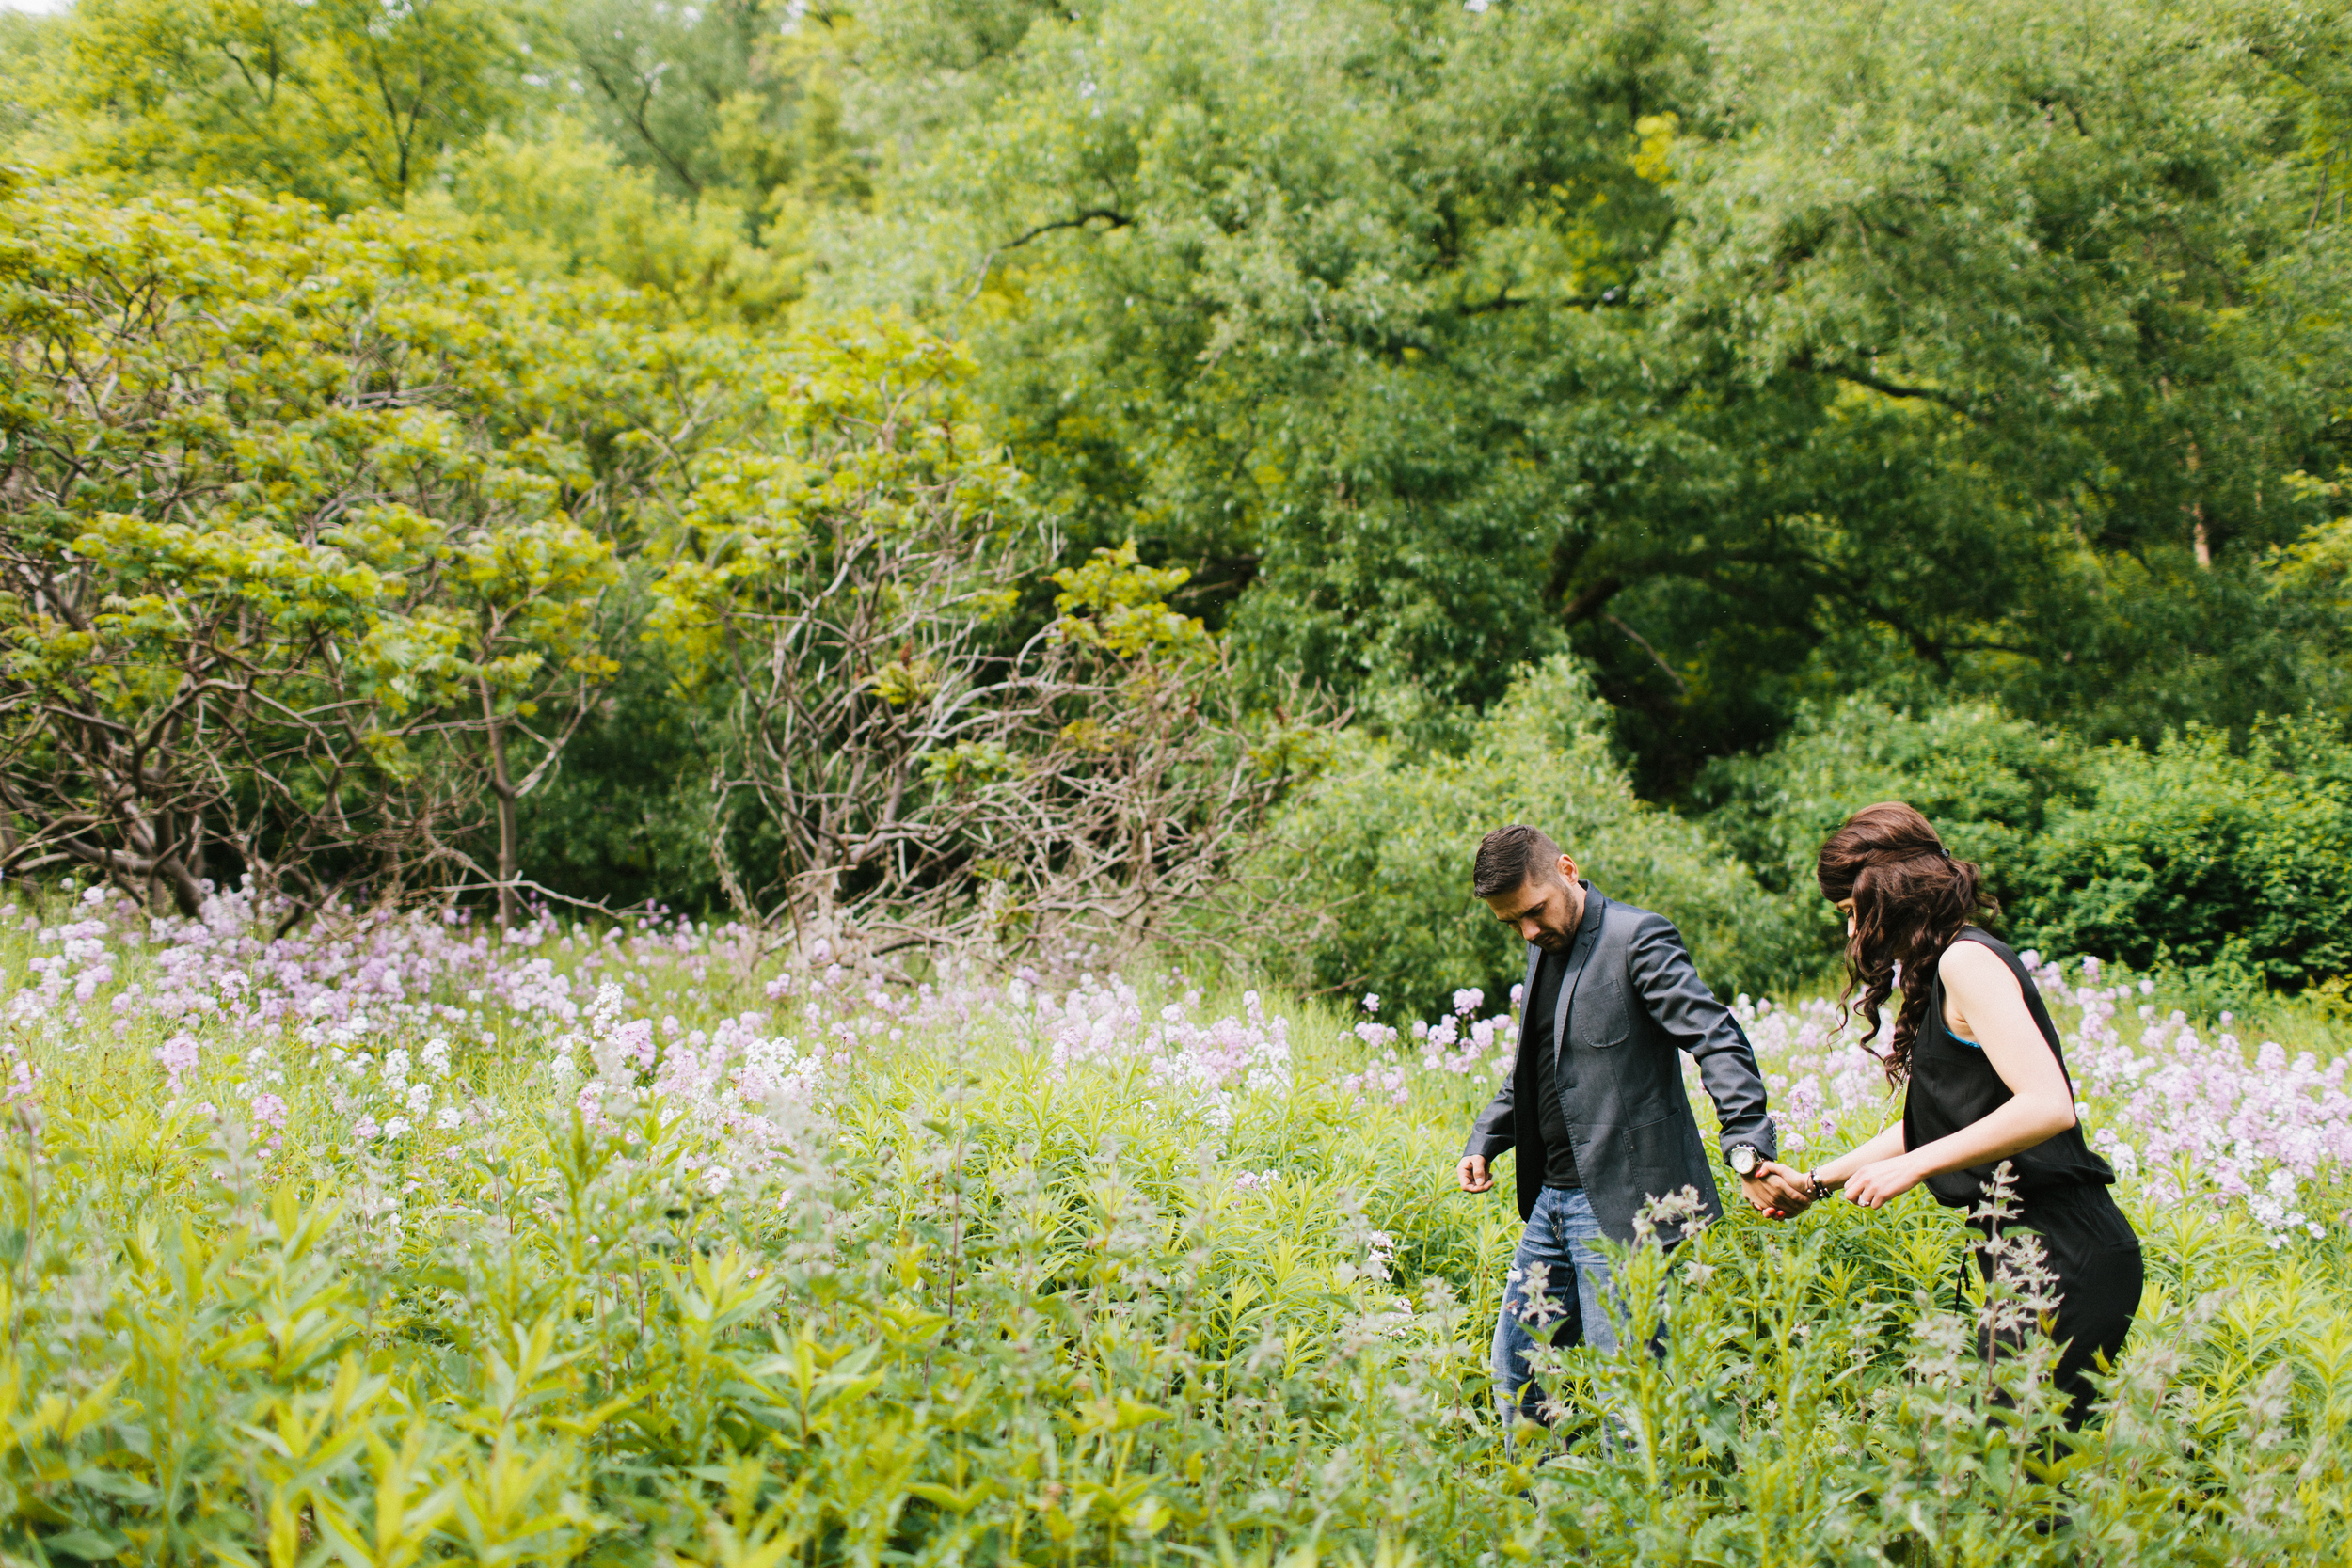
[[1744, 1160]]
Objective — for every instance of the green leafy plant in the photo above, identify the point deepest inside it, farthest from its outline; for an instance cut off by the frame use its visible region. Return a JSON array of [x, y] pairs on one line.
[[997, 1286], [1386, 841]]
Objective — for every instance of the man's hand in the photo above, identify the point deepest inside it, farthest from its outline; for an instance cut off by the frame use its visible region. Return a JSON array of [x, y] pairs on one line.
[[1776, 1192], [1473, 1174]]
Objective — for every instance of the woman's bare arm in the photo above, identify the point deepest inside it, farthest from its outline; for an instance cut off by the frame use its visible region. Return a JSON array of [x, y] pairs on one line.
[[1991, 1010]]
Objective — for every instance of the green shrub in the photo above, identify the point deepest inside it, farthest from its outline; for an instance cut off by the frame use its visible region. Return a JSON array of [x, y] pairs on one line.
[[1984, 779], [627, 817], [1385, 849], [2194, 853]]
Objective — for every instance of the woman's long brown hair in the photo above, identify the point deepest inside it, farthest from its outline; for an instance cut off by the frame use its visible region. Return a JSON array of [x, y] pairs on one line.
[[1910, 900]]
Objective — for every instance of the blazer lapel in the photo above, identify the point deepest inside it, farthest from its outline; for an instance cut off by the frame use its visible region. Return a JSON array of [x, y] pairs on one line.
[[1580, 954]]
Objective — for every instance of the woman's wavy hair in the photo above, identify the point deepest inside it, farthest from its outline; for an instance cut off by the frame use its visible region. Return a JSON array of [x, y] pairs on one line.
[[1910, 900]]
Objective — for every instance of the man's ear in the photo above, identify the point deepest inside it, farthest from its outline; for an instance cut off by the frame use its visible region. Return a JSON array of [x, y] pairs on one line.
[[1567, 870]]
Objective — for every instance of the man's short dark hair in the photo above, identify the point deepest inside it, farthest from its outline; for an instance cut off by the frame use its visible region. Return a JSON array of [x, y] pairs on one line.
[[1510, 858]]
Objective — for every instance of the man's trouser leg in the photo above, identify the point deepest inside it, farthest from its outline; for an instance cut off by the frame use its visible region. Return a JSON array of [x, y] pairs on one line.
[[1561, 1248]]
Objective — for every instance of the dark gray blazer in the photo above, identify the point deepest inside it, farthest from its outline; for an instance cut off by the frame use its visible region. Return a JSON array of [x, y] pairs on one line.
[[1629, 998]]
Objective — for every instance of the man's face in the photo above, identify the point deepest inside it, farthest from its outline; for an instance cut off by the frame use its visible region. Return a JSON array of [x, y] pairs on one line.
[[1545, 909]]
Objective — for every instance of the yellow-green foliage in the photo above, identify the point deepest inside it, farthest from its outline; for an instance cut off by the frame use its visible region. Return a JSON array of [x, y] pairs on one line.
[[565, 204], [341, 103], [309, 518], [870, 449], [1121, 605]]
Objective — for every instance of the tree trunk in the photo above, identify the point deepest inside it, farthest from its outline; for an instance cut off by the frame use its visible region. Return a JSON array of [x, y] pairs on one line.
[[187, 892], [503, 788], [510, 859], [2199, 540]]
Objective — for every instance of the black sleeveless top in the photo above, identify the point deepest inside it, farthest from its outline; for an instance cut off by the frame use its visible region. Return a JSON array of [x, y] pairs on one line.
[[1954, 1086]]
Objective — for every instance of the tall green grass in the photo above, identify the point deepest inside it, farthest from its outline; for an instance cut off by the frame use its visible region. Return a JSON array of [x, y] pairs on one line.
[[983, 1309]]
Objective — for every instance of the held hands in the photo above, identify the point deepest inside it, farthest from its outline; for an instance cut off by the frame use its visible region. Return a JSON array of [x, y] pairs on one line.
[[1775, 1191]]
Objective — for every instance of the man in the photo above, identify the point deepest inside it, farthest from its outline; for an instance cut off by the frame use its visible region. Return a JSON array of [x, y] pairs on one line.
[[1595, 1104]]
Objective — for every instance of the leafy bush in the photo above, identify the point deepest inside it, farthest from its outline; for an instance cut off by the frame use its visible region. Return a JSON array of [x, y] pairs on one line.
[[2197, 854], [301, 524], [2191, 853], [1984, 778], [1388, 841], [627, 817]]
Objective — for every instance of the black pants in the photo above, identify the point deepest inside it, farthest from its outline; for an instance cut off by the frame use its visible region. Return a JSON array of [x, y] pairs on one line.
[[2095, 1254]]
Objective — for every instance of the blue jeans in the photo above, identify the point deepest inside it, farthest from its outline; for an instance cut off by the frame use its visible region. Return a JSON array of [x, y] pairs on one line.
[[1561, 1239]]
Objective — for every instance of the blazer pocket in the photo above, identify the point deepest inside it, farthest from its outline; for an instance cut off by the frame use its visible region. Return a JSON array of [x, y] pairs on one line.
[[1596, 1018]]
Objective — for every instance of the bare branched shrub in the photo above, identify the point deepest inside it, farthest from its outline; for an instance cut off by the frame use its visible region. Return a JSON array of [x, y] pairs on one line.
[[929, 779], [1143, 784]]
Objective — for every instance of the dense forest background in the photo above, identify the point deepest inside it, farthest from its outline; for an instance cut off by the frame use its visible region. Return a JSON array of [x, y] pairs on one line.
[[1677, 423]]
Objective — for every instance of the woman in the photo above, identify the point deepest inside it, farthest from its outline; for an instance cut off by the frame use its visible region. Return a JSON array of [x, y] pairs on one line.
[[1986, 1079]]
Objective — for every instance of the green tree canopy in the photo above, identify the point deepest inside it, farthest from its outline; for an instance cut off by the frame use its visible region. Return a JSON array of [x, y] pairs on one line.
[[308, 521], [1760, 354], [339, 101], [1751, 349]]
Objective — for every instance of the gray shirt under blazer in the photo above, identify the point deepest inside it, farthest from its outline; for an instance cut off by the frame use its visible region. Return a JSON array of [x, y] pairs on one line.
[[1629, 998]]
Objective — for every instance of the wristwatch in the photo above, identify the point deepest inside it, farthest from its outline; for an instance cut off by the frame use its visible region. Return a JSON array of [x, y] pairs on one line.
[[1741, 1160]]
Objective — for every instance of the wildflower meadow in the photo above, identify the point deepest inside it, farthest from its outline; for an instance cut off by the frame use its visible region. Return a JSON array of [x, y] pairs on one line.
[[742, 746], [387, 1238]]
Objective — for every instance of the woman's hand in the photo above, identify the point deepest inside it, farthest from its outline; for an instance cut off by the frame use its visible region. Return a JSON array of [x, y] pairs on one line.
[[1874, 1186]]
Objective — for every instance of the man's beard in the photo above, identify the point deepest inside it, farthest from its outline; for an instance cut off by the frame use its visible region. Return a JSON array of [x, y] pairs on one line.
[[1554, 942]]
